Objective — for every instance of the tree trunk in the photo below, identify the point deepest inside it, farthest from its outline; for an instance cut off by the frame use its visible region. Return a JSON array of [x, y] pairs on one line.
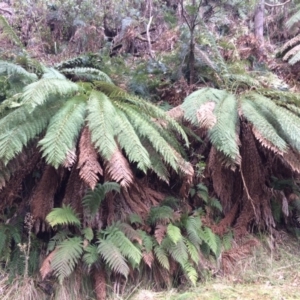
[[259, 23]]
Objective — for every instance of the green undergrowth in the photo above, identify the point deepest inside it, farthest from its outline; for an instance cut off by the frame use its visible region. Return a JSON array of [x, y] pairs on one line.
[[271, 272]]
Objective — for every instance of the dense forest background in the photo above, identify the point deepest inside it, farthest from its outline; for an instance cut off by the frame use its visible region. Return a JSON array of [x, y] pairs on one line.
[[143, 141]]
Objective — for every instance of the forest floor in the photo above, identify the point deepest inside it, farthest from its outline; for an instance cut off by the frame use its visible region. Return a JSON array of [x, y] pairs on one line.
[[272, 272]]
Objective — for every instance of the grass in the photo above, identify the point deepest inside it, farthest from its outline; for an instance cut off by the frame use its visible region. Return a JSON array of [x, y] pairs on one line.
[[271, 272]]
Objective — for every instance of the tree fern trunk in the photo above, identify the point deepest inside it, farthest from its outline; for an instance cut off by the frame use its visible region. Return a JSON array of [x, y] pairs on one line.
[[99, 283]]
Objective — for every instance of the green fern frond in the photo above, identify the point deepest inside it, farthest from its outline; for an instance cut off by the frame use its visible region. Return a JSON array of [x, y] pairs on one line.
[[132, 234], [135, 219], [192, 250], [66, 257], [295, 58], [295, 18], [162, 257], [193, 225], [146, 130], [113, 257], [227, 240], [147, 240], [190, 272], [101, 115], [38, 92], [19, 127], [213, 202], [59, 237], [178, 251], [174, 233], [51, 73], [287, 124], [8, 104], [142, 106], [223, 135], [93, 198], [160, 214], [261, 124], [90, 255], [211, 240], [172, 202], [238, 79], [64, 215], [129, 141], [63, 131], [87, 74], [88, 233], [157, 164], [9, 32], [10, 69], [127, 248]]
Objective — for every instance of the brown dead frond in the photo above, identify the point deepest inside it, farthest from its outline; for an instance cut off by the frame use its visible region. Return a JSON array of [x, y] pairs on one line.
[[160, 232], [46, 268], [148, 258], [118, 169], [205, 115], [176, 113], [265, 143], [88, 164], [292, 42], [70, 159], [231, 257], [292, 159]]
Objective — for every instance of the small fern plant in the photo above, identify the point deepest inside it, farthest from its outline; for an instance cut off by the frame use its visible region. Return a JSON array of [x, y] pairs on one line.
[[109, 247]]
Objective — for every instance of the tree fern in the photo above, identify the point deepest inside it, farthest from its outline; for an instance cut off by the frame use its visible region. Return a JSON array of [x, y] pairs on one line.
[[93, 198], [64, 215], [63, 131], [193, 225], [66, 257]]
